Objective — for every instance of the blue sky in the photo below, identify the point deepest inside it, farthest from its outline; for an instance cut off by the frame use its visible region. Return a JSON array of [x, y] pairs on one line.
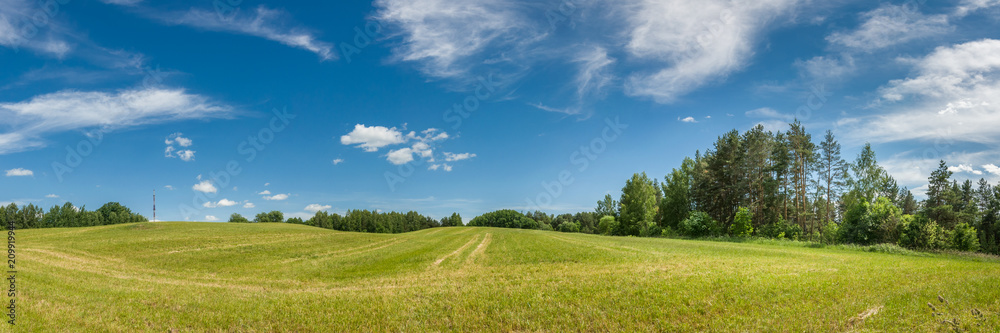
[[469, 106]]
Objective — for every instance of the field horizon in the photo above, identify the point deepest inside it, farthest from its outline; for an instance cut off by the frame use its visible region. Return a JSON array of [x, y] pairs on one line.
[[198, 276]]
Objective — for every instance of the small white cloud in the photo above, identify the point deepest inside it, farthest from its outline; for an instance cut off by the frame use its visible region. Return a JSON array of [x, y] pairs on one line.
[[169, 187], [688, 119], [434, 167], [277, 197], [992, 168], [19, 172], [267, 184], [205, 186], [186, 155], [890, 25], [211, 218], [265, 192], [249, 205], [338, 161], [53, 196], [450, 157], [372, 138], [447, 168], [317, 207], [220, 203], [400, 156]]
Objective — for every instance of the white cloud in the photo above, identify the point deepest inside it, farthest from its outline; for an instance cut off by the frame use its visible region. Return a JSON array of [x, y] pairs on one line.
[[277, 197], [566, 110], [211, 218], [220, 203], [450, 157], [186, 155], [992, 168], [338, 161], [19, 172], [265, 192], [964, 168], [766, 112], [249, 205], [317, 207], [271, 24], [400, 156], [179, 139], [52, 196], [169, 187], [969, 6], [267, 184], [954, 96], [827, 67], [687, 119], [890, 25], [70, 110], [205, 186], [442, 37], [594, 72], [446, 167], [694, 42], [372, 138]]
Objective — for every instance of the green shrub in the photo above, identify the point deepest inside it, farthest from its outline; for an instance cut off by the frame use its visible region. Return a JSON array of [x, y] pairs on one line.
[[569, 227], [742, 225], [699, 224], [830, 232], [607, 225], [965, 238]]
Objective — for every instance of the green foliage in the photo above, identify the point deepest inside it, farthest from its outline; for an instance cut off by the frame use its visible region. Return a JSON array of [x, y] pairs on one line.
[[866, 223], [699, 224], [676, 203], [607, 207], [505, 218], [295, 220], [237, 218], [272, 216], [830, 233], [569, 227], [66, 216], [742, 224], [638, 205], [607, 225], [920, 232], [454, 220], [780, 229], [965, 238]]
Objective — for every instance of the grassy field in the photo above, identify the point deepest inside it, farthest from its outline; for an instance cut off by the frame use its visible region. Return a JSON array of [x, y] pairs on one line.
[[162, 277]]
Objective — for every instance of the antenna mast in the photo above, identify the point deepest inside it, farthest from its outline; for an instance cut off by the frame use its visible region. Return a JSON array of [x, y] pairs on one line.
[[154, 205]]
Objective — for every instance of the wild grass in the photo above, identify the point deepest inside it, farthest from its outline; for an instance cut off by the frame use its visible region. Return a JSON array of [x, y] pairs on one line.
[[215, 277]]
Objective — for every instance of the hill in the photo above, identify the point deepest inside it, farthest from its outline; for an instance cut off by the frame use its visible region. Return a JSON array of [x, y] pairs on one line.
[[281, 277]]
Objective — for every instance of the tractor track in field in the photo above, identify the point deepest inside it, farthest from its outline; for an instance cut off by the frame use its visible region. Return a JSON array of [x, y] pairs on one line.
[[454, 253], [480, 248]]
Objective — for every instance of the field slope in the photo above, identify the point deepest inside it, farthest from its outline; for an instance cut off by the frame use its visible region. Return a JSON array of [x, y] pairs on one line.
[[163, 277]]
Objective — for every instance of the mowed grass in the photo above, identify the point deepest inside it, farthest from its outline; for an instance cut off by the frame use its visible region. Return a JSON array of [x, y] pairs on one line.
[[199, 277]]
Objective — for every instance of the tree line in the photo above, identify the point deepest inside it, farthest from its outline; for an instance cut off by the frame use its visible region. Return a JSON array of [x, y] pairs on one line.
[[359, 221], [784, 185], [67, 215]]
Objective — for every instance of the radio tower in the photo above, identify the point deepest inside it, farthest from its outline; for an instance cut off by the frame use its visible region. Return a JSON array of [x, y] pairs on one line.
[[154, 205]]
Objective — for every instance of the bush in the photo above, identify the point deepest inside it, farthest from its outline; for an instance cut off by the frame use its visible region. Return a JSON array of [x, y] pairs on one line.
[[866, 223], [780, 229], [965, 238], [919, 232], [273, 216], [607, 225], [742, 226], [237, 218], [650, 229], [295, 220], [504, 218], [699, 224], [830, 232], [569, 227]]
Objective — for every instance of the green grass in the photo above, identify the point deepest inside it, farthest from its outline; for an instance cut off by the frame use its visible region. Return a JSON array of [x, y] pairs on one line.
[[276, 277]]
